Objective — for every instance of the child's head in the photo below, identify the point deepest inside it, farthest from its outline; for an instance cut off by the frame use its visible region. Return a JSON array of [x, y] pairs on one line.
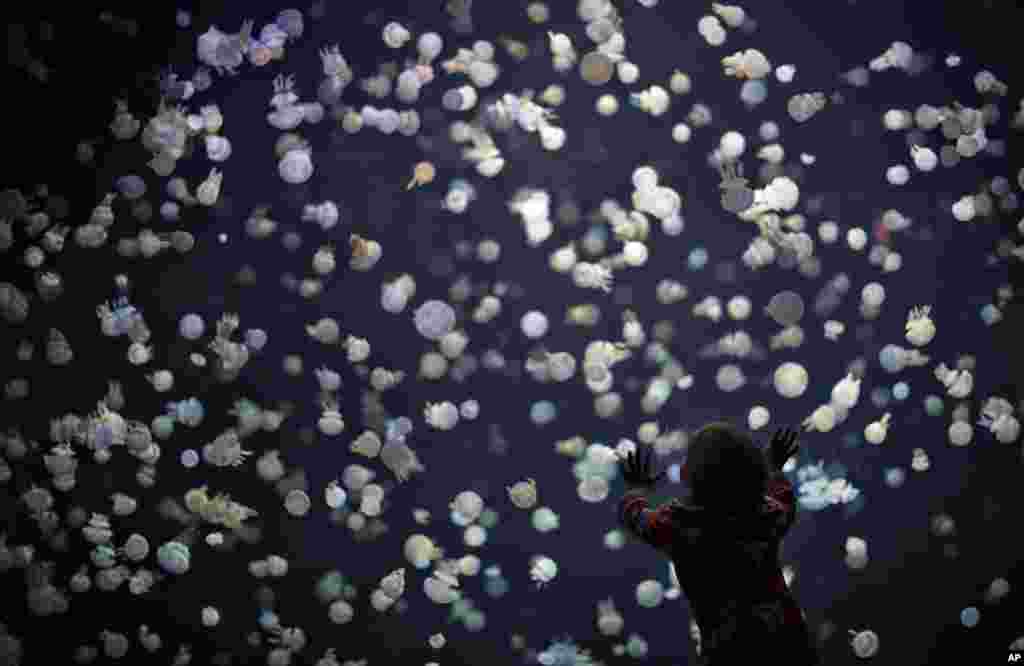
[[725, 468]]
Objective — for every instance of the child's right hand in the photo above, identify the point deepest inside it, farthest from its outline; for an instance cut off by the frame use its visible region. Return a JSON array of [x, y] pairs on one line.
[[783, 446]]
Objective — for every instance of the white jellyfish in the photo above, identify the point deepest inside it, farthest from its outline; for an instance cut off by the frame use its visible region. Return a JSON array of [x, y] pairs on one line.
[[297, 503], [790, 380], [758, 417], [534, 324], [959, 383], [561, 366], [331, 422], [210, 616], [340, 612], [174, 557], [834, 329], [334, 495], [434, 319], [420, 551], [650, 593], [296, 166], [846, 391], [822, 419], [542, 570], [749, 64], [442, 416], [440, 591], [730, 378], [864, 643], [876, 431], [393, 585], [468, 506], [367, 444], [997, 414], [593, 488], [960, 433], [523, 494], [920, 328]]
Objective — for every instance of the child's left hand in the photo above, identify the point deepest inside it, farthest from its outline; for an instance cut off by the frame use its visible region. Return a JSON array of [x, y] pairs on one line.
[[637, 468]]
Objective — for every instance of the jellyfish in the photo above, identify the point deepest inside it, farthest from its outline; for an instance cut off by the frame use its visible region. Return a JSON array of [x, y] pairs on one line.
[[400, 459], [434, 319], [174, 557], [650, 593], [468, 506], [297, 503], [542, 570], [864, 643], [786, 308], [523, 494], [593, 488], [131, 187], [790, 380]]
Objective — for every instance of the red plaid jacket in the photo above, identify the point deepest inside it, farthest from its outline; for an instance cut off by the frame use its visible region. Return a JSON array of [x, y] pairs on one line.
[[729, 570]]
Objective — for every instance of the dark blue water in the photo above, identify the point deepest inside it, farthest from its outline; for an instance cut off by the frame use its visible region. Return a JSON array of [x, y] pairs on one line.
[[913, 589]]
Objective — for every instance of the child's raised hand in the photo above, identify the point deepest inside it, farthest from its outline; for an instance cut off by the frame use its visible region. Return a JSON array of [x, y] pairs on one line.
[[637, 468], [783, 446]]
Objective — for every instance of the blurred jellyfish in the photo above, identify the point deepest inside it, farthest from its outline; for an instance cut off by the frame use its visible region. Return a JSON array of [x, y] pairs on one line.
[[191, 326], [523, 494], [434, 319], [650, 593], [174, 557], [130, 187], [542, 570], [786, 308], [790, 380], [468, 506], [593, 488]]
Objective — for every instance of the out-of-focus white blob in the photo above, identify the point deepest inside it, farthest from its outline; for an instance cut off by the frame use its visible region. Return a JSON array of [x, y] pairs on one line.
[[875, 432], [758, 417], [790, 380], [748, 64], [654, 100], [440, 591], [710, 28], [924, 158], [963, 209], [733, 15], [592, 276], [822, 419], [920, 329], [523, 494], [593, 488], [542, 570], [846, 391], [833, 329], [864, 643], [899, 55], [958, 383], [997, 414], [468, 506], [334, 495]]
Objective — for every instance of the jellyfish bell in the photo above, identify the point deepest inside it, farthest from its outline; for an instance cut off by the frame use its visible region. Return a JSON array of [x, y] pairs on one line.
[[786, 308], [790, 380]]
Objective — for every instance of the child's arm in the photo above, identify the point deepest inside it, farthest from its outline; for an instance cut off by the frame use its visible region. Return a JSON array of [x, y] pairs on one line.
[[653, 526], [779, 492], [781, 499]]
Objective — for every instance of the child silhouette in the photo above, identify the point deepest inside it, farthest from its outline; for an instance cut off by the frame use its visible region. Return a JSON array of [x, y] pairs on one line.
[[724, 542]]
